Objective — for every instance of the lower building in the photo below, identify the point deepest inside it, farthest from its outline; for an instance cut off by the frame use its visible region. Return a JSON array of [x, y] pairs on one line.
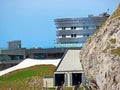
[[69, 72], [11, 57]]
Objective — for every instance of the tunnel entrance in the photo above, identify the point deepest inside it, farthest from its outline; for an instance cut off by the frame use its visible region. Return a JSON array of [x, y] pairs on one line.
[[59, 79], [76, 78]]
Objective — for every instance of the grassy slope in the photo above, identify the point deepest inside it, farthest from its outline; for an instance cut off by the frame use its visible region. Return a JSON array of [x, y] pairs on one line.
[[17, 80], [116, 13]]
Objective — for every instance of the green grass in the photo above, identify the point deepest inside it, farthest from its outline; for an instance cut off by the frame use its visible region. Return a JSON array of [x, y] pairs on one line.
[[18, 80]]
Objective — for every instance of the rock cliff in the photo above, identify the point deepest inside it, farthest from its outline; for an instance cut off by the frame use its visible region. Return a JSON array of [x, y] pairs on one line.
[[100, 56]]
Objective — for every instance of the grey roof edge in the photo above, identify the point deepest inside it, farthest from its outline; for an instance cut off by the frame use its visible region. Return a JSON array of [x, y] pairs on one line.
[[69, 71], [61, 60]]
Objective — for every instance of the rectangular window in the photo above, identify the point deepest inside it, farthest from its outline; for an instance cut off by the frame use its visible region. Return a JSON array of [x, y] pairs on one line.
[[63, 28], [73, 35], [73, 28], [86, 35], [59, 79], [76, 78], [85, 27], [63, 36]]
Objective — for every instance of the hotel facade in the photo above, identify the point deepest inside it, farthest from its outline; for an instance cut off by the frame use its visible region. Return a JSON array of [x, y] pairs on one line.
[[73, 32]]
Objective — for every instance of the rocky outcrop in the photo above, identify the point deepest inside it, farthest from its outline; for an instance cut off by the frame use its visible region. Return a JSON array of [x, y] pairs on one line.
[[35, 83], [100, 56]]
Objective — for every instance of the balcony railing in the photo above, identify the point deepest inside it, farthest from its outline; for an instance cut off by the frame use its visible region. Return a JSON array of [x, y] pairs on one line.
[[77, 32], [72, 40]]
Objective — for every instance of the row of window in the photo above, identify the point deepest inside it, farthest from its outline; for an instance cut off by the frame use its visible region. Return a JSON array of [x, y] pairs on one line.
[[73, 36], [69, 45], [65, 28], [78, 28]]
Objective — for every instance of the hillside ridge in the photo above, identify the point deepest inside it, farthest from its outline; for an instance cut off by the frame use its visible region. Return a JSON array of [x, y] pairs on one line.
[[100, 56]]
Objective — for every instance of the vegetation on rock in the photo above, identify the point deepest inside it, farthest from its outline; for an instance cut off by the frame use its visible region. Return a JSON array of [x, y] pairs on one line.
[[116, 51], [113, 40], [100, 56]]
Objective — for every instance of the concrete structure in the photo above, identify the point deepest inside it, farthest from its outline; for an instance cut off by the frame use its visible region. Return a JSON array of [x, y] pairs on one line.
[[47, 53], [48, 82], [15, 54], [69, 72], [11, 57], [9, 63], [73, 32], [14, 44]]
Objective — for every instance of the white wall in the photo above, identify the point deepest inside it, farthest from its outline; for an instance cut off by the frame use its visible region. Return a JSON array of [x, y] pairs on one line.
[[48, 82]]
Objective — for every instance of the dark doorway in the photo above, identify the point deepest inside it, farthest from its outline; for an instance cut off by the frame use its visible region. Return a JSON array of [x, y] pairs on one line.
[[76, 78], [59, 79]]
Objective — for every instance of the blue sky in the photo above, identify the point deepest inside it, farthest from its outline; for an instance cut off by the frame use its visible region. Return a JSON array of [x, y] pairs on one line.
[[32, 21]]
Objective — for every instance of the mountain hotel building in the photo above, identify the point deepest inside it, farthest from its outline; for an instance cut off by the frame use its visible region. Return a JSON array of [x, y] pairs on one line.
[[73, 32]]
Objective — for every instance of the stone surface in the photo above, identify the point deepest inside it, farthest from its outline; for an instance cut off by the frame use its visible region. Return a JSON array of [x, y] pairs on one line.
[[100, 57]]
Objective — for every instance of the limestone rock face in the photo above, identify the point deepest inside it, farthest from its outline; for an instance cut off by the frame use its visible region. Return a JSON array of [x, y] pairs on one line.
[[100, 57]]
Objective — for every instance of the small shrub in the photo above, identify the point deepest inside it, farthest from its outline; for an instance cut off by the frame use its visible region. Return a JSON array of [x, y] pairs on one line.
[[105, 50], [116, 51], [113, 40], [113, 68], [112, 47]]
